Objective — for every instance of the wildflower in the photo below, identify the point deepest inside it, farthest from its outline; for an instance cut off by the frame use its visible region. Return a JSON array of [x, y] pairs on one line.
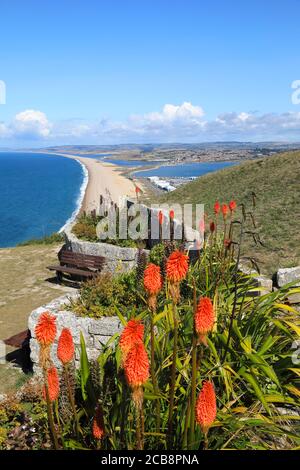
[[137, 190], [52, 381], [204, 318], [217, 207], [136, 366], [152, 279], [177, 266], [212, 227], [224, 210], [65, 348], [133, 333], [232, 205], [45, 329], [160, 218], [172, 214], [206, 407], [98, 424]]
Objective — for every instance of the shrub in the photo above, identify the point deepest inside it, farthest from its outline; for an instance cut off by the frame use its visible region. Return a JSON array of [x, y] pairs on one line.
[[105, 294], [47, 240]]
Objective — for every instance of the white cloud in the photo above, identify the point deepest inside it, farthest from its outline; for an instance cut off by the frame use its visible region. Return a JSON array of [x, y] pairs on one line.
[[31, 124], [185, 123]]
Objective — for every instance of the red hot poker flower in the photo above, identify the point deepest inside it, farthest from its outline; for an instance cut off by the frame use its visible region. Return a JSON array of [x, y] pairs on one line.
[[232, 206], [224, 210], [152, 279], [45, 329], [177, 266], [98, 424], [133, 333], [65, 347], [212, 226], [172, 214], [160, 218], [53, 384], [136, 366], [137, 190], [217, 207], [204, 318], [206, 407]]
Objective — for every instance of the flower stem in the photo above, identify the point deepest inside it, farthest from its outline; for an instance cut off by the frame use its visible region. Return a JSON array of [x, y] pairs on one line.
[[173, 378], [153, 376], [50, 419], [194, 378]]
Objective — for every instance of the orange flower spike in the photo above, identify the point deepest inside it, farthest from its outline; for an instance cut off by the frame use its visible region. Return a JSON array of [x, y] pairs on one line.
[[53, 384], [98, 424], [177, 266], [65, 347], [204, 318], [136, 366], [160, 218], [232, 206], [172, 214], [206, 407], [224, 210], [217, 207], [152, 279], [133, 333], [45, 330]]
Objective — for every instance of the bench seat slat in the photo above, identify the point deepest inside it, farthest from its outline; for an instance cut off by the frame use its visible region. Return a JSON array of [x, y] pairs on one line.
[[76, 271]]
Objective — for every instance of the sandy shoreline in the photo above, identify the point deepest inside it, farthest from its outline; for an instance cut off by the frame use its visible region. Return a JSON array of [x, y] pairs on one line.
[[103, 179]]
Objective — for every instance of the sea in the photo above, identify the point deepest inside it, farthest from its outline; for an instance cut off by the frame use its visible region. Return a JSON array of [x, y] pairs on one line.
[[184, 170], [39, 195]]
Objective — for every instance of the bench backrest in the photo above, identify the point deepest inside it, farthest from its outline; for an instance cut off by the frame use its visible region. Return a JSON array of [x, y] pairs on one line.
[[80, 260]]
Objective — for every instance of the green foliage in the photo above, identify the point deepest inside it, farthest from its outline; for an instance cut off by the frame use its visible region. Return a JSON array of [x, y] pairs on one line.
[[47, 240], [105, 294], [157, 254]]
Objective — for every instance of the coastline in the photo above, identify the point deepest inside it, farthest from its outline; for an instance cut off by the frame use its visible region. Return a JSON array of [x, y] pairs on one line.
[[100, 179]]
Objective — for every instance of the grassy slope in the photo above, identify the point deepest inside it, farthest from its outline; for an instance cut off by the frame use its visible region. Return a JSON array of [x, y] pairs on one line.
[[276, 182]]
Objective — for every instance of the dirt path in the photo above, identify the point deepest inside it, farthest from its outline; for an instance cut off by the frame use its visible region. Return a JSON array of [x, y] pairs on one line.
[[23, 287]]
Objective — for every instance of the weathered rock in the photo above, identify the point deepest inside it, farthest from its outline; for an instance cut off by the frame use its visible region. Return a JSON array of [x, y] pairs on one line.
[[264, 283], [287, 275], [294, 298]]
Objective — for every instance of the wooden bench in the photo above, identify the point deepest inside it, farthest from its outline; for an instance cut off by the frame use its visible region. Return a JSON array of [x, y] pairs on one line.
[[77, 264]]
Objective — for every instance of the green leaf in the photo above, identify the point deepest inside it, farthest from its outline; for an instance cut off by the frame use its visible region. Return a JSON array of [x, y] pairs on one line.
[[84, 368], [257, 390]]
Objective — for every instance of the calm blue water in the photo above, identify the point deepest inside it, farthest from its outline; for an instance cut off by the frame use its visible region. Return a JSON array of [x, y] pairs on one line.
[[38, 194], [185, 170], [129, 163]]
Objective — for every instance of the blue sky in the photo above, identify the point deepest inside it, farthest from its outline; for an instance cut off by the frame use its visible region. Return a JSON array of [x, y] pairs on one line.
[[103, 71]]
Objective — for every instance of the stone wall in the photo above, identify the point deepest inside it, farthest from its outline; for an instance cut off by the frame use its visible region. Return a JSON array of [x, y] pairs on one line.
[[95, 331], [120, 259]]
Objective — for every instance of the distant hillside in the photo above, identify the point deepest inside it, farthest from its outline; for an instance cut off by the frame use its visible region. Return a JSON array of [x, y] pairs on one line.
[[276, 183]]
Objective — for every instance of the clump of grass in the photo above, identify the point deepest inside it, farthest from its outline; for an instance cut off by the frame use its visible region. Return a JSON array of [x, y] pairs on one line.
[[47, 240]]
